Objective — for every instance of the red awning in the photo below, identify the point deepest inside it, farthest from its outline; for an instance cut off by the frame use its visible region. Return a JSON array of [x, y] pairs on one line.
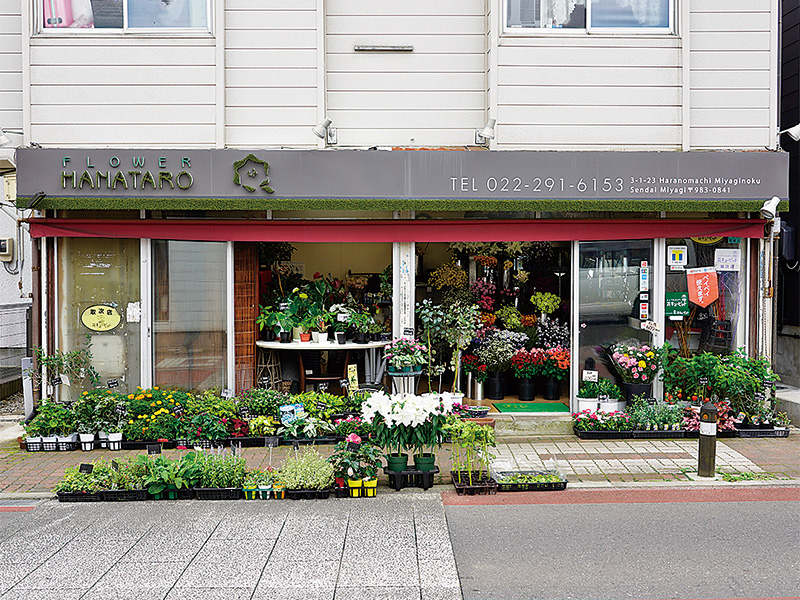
[[506, 230]]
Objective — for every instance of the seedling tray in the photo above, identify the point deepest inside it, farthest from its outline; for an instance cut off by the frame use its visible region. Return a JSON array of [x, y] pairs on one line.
[[604, 435], [79, 497], [308, 494], [725, 433], [123, 495], [218, 493], [657, 434], [485, 488], [764, 433], [246, 442], [546, 486]]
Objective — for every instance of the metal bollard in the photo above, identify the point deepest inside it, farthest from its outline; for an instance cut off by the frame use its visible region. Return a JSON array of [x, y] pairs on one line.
[[707, 452]]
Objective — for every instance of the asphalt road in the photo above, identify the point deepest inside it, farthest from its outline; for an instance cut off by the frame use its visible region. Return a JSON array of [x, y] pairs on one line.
[[620, 550]]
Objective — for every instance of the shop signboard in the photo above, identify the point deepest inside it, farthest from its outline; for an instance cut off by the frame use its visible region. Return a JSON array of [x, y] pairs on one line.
[[302, 178], [677, 257], [727, 259], [677, 304], [100, 317], [703, 288]]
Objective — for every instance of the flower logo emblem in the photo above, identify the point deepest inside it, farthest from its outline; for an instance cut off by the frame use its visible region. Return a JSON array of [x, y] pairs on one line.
[[256, 164]]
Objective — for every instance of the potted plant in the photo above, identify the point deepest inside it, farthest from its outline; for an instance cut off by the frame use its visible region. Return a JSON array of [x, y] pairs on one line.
[[526, 366], [267, 320], [494, 348], [357, 461], [478, 372], [75, 486], [360, 322], [205, 429], [636, 364], [53, 421], [33, 436], [85, 413], [307, 475], [555, 368], [219, 476], [471, 455]]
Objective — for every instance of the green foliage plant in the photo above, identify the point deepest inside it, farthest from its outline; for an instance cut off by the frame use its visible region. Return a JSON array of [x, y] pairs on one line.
[[219, 469], [53, 418], [470, 448], [362, 462], [308, 470]]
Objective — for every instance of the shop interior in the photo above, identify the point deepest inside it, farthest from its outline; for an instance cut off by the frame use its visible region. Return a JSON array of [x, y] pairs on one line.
[[345, 290]]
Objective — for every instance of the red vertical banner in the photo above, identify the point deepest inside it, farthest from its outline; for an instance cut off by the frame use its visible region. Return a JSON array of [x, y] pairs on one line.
[[703, 289]]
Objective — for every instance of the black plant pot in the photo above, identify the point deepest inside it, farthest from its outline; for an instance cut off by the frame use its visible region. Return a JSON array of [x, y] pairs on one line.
[[527, 389], [361, 338], [286, 337], [552, 388], [495, 386]]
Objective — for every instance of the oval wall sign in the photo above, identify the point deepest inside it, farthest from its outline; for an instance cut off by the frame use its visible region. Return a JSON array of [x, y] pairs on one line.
[[100, 317]]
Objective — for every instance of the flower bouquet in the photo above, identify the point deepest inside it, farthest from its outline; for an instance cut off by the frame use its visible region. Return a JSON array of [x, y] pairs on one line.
[[556, 363], [495, 347], [473, 365], [527, 364], [634, 362]]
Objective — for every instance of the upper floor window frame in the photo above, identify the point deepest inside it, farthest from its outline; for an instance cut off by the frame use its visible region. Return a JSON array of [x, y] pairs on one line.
[[41, 13], [587, 30]]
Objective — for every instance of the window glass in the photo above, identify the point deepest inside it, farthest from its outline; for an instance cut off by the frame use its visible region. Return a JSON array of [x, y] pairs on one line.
[[572, 14], [110, 14], [189, 314]]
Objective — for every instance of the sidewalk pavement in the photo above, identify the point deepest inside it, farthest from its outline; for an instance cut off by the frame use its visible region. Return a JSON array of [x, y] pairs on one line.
[[585, 463], [388, 547]]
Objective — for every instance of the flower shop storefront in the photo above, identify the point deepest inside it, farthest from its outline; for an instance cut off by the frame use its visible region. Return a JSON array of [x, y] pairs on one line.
[[164, 257]]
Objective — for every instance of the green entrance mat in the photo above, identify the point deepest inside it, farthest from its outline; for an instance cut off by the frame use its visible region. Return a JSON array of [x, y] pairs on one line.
[[531, 407]]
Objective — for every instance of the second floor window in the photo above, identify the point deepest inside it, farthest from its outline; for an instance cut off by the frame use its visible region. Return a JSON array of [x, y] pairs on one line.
[[597, 15], [125, 14]]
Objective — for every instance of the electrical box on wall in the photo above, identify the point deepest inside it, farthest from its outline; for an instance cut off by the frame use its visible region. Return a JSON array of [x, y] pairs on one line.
[[6, 249]]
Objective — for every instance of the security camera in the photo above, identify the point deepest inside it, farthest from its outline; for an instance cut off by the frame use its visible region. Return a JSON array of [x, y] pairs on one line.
[[770, 209]]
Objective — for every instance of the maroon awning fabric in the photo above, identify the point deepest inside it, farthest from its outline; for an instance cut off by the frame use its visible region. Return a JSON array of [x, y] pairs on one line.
[[399, 231]]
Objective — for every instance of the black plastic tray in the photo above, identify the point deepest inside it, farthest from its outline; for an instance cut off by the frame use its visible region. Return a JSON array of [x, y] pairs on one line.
[[546, 486], [658, 434], [410, 478], [604, 435], [764, 433], [79, 497], [217, 493], [123, 495]]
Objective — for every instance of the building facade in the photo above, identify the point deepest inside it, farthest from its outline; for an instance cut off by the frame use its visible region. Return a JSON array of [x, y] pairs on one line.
[[639, 137]]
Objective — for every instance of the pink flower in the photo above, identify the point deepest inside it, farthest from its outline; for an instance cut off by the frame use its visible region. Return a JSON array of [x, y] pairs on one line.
[[636, 376], [353, 438]]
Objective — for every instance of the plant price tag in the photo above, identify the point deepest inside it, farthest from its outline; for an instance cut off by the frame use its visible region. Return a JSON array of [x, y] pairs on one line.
[[323, 387], [408, 332], [590, 375], [112, 383], [55, 381], [154, 448], [86, 468], [264, 382], [227, 393], [353, 446]]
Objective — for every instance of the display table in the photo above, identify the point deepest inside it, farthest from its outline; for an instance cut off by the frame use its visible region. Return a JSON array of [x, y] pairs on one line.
[[373, 355], [404, 382]]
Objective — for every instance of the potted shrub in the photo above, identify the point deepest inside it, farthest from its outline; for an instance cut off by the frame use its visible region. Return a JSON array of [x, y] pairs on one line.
[[526, 365], [360, 322], [470, 452], [307, 475]]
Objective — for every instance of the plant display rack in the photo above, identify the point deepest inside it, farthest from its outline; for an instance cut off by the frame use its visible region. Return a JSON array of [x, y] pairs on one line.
[[410, 478], [218, 493]]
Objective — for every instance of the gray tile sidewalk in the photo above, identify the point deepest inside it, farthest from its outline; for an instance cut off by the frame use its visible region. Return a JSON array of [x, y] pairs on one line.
[[392, 546]]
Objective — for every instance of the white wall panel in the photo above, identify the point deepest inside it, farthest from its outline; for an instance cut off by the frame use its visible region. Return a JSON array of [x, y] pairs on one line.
[[434, 95], [11, 66], [270, 73], [732, 74]]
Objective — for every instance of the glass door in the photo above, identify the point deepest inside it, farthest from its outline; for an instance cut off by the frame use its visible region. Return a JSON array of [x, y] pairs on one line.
[[615, 294]]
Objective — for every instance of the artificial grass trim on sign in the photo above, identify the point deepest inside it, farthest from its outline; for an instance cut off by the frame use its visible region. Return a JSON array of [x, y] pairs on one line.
[[505, 407]]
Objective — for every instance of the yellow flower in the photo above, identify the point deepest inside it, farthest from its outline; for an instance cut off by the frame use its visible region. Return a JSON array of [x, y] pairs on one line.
[[152, 404], [158, 401], [149, 395], [155, 388], [650, 354], [85, 393], [130, 396], [130, 422], [642, 364]]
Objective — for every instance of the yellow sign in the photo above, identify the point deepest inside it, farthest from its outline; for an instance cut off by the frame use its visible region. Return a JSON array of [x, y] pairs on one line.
[[352, 377], [100, 317], [707, 240]]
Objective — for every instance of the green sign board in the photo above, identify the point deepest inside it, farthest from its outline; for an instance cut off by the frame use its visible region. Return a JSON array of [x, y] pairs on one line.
[[677, 304]]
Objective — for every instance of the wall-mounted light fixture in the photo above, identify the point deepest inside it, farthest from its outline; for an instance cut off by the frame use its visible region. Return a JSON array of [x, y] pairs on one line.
[[792, 132], [324, 131], [4, 139], [482, 136], [770, 208]]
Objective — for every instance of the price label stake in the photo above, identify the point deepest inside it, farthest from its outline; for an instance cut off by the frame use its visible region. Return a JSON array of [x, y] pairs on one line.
[[86, 468], [154, 448], [112, 383]]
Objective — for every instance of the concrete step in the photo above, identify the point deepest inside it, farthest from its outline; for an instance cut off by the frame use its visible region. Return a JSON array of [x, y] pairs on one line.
[[521, 424]]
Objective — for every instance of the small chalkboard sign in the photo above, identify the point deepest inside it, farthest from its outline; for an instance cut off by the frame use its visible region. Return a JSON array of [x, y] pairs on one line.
[[271, 441], [227, 393], [704, 380], [343, 383], [86, 468], [323, 387], [408, 332], [386, 337], [264, 381], [244, 411], [112, 383], [651, 401], [178, 410], [353, 446], [154, 448], [283, 306], [341, 317], [115, 465], [603, 398], [120, 409], [758, 397], [56, 381], [322, 406]]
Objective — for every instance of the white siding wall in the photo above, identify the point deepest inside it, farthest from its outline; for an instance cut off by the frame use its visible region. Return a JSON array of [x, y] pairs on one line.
[[122, 91], [271, 73], [732, 85], [433, 96], [11, 66]]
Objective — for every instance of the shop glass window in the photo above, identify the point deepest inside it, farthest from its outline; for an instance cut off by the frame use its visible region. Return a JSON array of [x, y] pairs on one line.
[[125, 14], [597, 15], [715, 326], [189, 314]]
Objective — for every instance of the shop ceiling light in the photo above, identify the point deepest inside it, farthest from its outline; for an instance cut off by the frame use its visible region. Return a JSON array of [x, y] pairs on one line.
[[792, 132], [482, 136], [770, 209], [324, 131]]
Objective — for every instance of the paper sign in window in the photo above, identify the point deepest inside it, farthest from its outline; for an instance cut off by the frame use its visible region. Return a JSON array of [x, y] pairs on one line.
[[702, 283]]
